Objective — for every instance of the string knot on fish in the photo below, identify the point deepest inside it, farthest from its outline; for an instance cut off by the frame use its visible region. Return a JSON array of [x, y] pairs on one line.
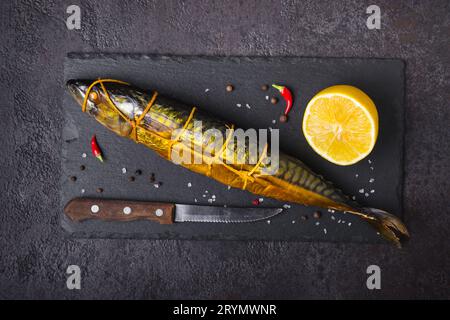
[[134, 123]]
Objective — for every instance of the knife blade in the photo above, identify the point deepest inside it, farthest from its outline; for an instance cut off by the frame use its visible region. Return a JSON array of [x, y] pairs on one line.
[[80, 209]]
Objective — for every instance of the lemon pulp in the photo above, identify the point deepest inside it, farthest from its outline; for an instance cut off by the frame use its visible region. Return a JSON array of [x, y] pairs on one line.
[[341, 124]]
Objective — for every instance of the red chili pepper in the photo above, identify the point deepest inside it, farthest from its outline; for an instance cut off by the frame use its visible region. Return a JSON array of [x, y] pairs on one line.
[[255, 202], [287, 95], [95, 149]]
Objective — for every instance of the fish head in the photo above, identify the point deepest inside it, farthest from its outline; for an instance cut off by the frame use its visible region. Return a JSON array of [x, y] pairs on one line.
[[78, 90], [105, 108]]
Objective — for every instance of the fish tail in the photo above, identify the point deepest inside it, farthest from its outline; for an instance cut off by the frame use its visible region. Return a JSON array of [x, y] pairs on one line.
[[388, 225]]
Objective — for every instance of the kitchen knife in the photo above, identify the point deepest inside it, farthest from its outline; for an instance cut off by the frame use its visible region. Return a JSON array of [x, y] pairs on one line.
[[80, 209]]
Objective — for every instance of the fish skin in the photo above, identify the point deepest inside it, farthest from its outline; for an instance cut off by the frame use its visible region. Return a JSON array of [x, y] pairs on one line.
[[293, 181]]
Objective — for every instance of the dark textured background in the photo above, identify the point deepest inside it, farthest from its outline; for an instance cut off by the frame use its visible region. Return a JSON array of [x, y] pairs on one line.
[[34, 252]]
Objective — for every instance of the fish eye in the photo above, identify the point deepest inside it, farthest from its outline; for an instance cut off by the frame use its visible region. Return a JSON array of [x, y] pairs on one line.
[[94, 96]]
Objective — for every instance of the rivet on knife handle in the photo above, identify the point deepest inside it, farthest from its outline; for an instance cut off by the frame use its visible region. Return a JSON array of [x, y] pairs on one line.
[[80, 209]]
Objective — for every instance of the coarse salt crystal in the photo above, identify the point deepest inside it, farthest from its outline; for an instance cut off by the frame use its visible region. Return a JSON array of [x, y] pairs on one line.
[[333, 218], [261, 199], [371, 168], [210, 200], [293, 221], [195, 200], [248, 106], [238, 105], [274, 121], [371, 180], [356, 175], [317, 223], [229, 187], [369, 161], [372, 191], [286, 206], [156, 185], [83, 155], [268, 221], [189, 184], [361, 190], [124, 170], [206, 191], [206, 90], [366, 194], [354, 198], [83, 191], [267, 97], [349, 224], [204, 195], [325, 230]]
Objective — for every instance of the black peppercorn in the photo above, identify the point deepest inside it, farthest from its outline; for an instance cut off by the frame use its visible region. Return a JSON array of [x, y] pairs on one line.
[[283, 118]]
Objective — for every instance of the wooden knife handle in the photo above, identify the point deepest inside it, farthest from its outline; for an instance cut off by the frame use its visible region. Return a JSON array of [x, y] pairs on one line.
[[80, 209]]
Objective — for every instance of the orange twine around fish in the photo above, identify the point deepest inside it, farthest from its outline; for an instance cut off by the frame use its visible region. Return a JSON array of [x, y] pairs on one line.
[[134, 123], [180, 133], [138, 120], [221, 151], [88, 91], [245, 176], [250, 173]]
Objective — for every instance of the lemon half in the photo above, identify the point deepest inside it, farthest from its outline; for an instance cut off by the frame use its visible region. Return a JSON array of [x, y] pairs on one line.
[[341, 124]]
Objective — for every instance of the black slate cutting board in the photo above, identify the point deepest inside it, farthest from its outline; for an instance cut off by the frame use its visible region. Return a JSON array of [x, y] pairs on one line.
[[201, 81]]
